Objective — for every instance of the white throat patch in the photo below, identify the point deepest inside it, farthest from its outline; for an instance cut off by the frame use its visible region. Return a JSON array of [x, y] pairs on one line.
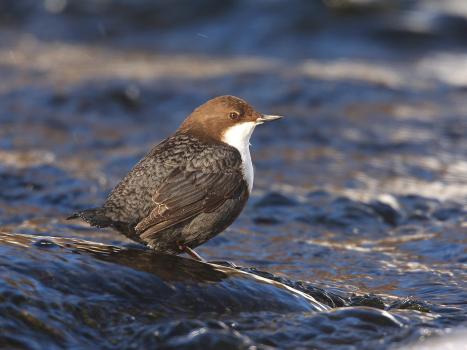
[[238, 136]]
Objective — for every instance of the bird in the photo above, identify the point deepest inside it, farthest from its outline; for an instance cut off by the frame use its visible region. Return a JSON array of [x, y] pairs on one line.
[[191, 186]]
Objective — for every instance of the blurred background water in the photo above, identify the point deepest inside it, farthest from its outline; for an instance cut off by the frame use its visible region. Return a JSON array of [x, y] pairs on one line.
[[360, 196]]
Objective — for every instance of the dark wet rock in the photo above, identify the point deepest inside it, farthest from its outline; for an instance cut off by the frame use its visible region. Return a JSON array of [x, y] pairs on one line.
[[320, 294], [348, 214], [59, 99], [455, 129], [390, 215], [13, 186], [12, 11], [338, 212], [117, 284], [425, 30], [334, 329], [110, 98], [413, 202], [190, 334], [372, 316], [273, 199], [449, 212], [45, 243], [366, 300], [129, 97], [323, 296], [410, 304], [43, 185], [416, 208], [130, 265], [115, 13], [149, 13], [266, 220], [382, 146]]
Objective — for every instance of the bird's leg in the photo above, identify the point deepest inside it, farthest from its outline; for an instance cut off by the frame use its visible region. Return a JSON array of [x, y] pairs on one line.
[[192, 253]]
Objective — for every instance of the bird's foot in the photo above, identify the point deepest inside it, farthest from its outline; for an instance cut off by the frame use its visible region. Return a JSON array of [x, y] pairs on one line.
[[192, 253]]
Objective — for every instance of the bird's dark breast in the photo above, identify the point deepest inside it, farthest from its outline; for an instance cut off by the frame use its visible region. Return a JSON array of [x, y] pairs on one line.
[[203, 227]]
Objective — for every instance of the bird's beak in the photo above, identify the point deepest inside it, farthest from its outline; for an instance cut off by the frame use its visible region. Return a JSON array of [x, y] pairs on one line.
[[267, 118]]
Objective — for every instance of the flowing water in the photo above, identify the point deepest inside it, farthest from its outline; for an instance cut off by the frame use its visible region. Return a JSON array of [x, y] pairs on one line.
[[355, 234]]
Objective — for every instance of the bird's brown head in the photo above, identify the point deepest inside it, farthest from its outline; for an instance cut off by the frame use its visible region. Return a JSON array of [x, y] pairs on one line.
[[226, 119]]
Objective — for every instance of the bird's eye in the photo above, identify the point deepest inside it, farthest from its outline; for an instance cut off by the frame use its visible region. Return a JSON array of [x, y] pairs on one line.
[[234, 115]]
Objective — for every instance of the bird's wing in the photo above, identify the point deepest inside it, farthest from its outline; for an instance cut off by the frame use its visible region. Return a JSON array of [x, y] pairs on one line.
[[187, 192]]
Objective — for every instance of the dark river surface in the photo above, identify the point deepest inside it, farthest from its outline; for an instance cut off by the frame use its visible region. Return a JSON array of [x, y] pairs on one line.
[[355, 234]]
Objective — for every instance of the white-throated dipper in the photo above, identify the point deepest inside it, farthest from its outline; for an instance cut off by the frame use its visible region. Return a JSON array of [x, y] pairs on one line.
[[191, 186]]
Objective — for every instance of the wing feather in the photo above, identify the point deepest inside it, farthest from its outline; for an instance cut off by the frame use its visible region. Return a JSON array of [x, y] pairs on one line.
[[186, 194]]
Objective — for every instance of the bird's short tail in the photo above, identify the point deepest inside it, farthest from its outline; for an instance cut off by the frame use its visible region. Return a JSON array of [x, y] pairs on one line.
[[94, 217]]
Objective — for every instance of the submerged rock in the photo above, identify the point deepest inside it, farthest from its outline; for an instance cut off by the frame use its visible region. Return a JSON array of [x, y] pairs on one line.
[[64, 292], [93, 288], [275, 199]]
